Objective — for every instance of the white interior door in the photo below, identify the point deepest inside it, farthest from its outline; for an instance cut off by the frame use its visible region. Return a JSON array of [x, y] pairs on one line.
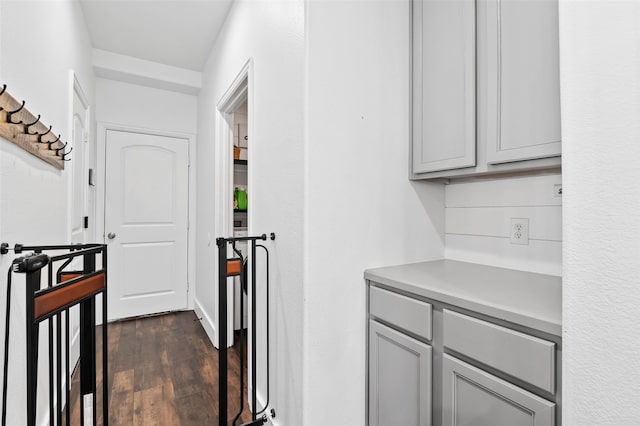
[[146, 208]]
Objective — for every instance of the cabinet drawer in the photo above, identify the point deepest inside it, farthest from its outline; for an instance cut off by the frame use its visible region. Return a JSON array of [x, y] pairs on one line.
[[409, 314], [522, 356]]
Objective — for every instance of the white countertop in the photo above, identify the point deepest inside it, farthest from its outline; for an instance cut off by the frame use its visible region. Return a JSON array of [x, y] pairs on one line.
[[525, 298]]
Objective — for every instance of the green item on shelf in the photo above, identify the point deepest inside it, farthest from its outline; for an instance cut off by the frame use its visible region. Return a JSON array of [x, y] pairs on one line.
[[240, 195]]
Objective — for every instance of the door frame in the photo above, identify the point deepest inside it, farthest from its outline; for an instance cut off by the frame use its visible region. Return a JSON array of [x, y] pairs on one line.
[[236, 93], [103, 128], [76, 88]]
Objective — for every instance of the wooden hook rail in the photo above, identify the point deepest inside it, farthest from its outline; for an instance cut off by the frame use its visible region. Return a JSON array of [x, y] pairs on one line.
[[20, 126]]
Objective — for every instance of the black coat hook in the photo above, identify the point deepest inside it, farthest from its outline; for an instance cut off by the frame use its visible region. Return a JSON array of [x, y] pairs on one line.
[[64, 154], [10, 114], [26, 126], [62, 148], [52, 142], [44, 134]]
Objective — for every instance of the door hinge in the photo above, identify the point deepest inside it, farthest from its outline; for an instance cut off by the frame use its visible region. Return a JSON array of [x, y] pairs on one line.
[[86, 222], [92, 177]]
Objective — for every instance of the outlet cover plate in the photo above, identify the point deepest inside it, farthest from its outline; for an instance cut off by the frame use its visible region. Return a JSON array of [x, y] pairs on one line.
[[519, 231]]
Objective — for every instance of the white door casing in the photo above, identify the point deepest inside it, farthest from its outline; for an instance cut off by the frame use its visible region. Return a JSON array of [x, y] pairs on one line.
[[146, 214], [79, 193], [235, 95], [79, 165]]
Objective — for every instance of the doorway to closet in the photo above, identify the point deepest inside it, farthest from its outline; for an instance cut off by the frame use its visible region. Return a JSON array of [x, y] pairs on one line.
[[240, 146], [235, 216]]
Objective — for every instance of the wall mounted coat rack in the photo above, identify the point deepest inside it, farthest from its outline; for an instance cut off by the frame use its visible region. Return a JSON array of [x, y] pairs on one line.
[[20, 126]]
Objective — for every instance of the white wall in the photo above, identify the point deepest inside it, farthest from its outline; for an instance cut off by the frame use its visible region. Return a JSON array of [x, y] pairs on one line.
[[478, 222], [113, 66], [361, 210], [145, 107], [600, 80], [40, 42], [271, 35]]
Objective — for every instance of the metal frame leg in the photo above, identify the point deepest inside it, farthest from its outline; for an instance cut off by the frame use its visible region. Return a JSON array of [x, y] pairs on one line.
[[32, 285], [222, 331], [88, 349]]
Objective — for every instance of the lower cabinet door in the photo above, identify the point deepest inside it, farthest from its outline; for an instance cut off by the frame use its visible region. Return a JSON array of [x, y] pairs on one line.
[[399, 378], [473, 397]]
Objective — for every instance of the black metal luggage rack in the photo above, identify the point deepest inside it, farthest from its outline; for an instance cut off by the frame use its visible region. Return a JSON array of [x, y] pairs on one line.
[[51, 304]]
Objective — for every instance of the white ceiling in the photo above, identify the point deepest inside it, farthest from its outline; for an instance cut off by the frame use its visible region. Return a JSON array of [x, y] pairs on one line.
[[173, 32]]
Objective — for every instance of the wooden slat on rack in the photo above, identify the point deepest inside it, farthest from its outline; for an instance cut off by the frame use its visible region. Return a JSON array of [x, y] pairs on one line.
[[15, 132], [50, 302], [234, 266], [66, 276]]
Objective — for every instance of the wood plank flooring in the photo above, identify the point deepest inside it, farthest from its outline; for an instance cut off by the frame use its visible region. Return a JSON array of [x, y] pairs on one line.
[[163, 370]]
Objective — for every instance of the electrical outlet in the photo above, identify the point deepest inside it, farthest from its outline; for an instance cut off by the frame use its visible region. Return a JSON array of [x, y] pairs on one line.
[[557, 190], [519, 231]]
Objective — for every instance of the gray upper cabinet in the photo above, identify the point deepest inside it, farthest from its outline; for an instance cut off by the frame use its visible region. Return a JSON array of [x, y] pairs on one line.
[[473, 397], [444, 78], [399, 378], [523, 81], [486, 91]]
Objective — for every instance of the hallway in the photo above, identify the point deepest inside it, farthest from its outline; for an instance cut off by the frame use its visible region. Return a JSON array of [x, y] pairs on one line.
[[163, 370]]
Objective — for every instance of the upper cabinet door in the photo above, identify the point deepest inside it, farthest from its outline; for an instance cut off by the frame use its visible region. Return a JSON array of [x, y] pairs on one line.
[[444, 85], [522, 78]]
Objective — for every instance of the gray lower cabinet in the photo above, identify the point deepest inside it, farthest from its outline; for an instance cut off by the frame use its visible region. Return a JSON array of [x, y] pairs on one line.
[[399, 378], [473, 397], [433, 363]]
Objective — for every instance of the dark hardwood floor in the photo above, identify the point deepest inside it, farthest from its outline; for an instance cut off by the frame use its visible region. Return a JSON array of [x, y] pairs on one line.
[[163, 370]]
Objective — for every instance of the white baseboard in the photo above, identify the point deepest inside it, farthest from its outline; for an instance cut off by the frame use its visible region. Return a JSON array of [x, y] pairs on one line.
[[207, 322]]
